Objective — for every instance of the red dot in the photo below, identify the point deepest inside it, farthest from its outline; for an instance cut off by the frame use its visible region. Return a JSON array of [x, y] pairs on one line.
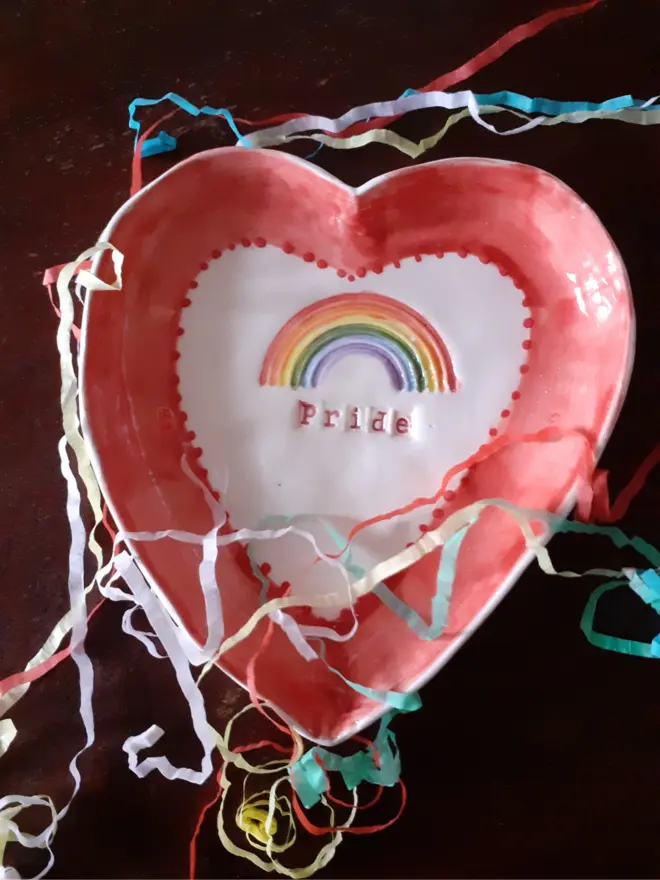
[[438, 513], [527, 344], [260, 242], [397, 264], [504, 272], [191, 434], [176, 355], [196, 452], [493, 432], [505, 413], [424, 528], [216, 254], [179, 331], [287, 247], [246, 242], [341, 273], [378, 269], [528, 322], [322, 264], [285, 585], [351, 278], [524, 369], [204, 266], [360, 271], [265, 568], [186, 303], [525, 302], [515, 395], [440, 255], [462, 253], [193, 285], [308, 257], [232, 247], [449, 495], [418, 258]]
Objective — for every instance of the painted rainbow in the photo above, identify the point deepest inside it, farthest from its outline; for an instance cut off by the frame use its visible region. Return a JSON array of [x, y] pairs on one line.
[[321, 334]]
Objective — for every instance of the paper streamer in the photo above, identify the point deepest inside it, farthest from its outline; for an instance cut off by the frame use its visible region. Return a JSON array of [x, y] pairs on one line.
[[441, 597], [142, 592], [419, 101], [646, 584], [265, 827], [379, 766], [77, 618], [321, 860], [10, 807], [299, 126], [165, 629], [414, 149], [482, 59], [72, 439], [495, 51], [7, 735]]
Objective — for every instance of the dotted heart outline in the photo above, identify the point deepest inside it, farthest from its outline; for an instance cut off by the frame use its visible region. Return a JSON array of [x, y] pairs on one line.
[[194, 452]]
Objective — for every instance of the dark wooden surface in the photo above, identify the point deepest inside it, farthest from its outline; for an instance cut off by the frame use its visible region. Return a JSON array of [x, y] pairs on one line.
[[535, 755]]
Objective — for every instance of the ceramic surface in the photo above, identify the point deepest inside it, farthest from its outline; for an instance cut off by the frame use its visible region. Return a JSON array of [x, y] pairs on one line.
[[326, 354]]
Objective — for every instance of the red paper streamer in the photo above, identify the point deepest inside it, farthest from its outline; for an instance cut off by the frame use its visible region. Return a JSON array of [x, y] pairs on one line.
[[551, 434], [30, 675], [50, 277], [595, 505], [363, 829], [192, 863], [494, 52], [136, 165]]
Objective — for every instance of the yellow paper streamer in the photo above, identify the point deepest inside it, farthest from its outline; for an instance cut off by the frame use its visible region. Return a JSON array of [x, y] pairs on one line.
[[260, 816], [399, 142], [427, 543], [275, 804], [7, 735], [414, 149]]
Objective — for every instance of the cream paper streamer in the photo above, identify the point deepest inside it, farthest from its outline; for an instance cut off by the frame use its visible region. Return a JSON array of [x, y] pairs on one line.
[[414, 149]]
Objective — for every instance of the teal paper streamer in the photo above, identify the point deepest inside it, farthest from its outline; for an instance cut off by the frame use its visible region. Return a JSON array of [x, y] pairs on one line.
[[309, 778], [618, 537], [180, 102], [164, 142], [646, 585], [443, 586], [441, 598]]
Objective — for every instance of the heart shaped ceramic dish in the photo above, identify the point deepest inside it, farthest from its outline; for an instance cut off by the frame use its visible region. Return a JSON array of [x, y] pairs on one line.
[[323, 355]]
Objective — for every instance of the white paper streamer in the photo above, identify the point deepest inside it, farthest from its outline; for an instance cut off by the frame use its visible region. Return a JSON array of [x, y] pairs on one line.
[[7, 735], [171, 639], [147, 639], [299, 127], [10, 807]]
